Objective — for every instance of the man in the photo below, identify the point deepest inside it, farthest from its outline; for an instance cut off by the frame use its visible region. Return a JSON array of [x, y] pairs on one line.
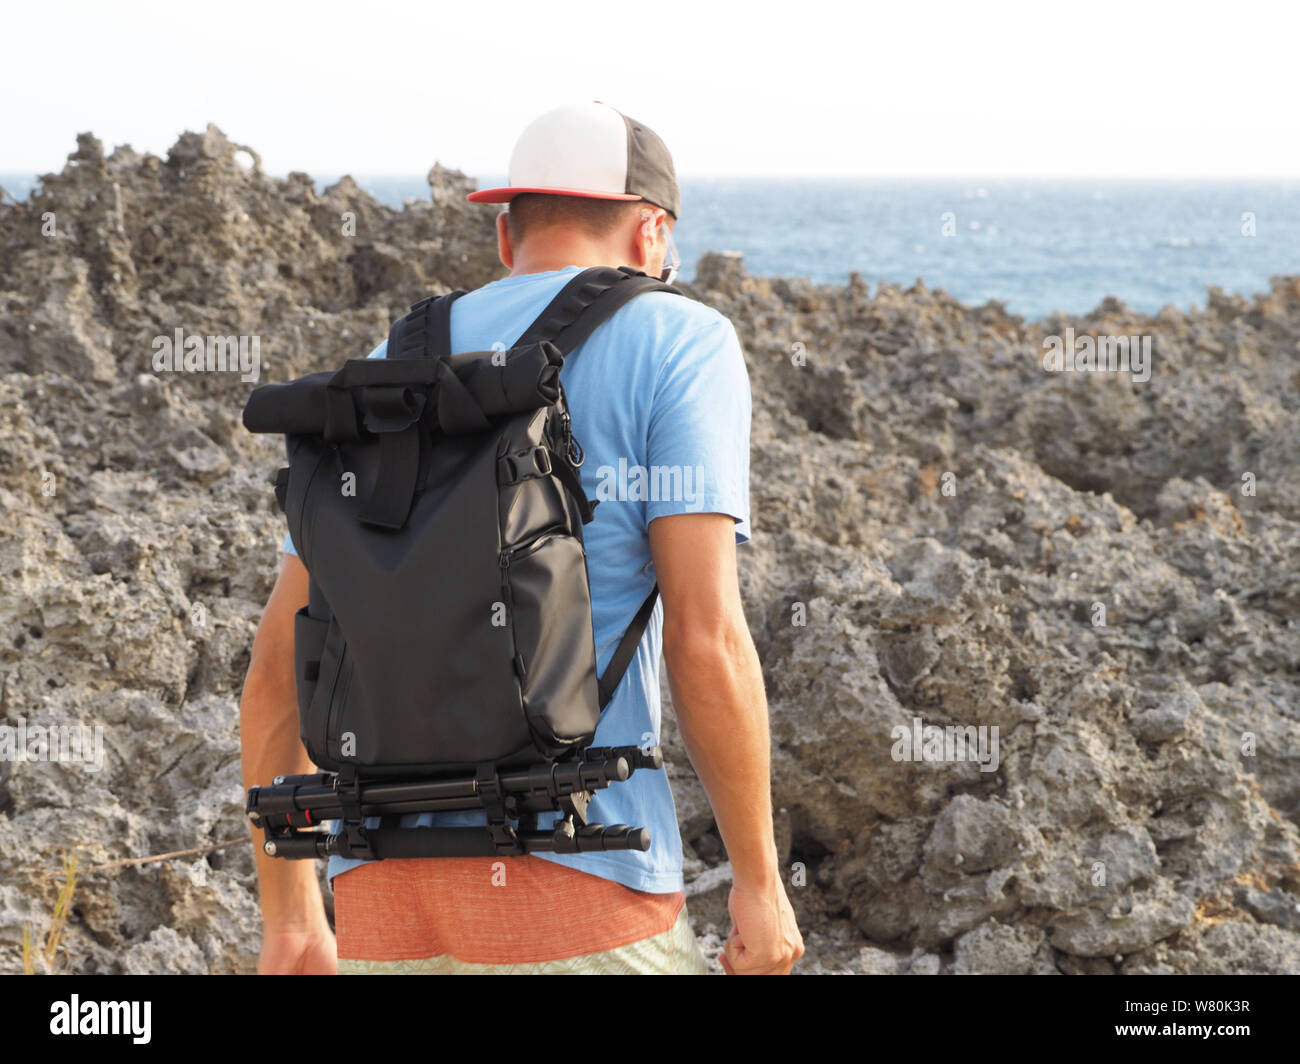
[[659, 394]]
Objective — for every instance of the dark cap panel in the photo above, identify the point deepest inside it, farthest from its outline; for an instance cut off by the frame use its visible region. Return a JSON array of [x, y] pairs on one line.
[[650, 172]]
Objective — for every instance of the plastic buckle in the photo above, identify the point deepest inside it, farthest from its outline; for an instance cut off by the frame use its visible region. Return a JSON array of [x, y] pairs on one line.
[[535, 462]]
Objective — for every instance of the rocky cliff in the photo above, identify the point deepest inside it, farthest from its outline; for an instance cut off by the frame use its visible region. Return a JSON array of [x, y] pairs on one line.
[[1098, 578]]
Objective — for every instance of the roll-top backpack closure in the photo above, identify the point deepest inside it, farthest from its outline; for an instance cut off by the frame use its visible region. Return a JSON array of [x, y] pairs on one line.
[[379, 395], [396, 399]]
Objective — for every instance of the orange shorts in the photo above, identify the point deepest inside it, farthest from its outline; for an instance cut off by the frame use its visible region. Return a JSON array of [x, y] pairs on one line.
[[505, 915]]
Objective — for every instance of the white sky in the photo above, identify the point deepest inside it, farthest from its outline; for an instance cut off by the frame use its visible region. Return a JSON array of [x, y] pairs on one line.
[[803, 87]]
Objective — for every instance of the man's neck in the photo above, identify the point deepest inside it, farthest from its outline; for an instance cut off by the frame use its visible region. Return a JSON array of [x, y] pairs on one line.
[[550, 255]]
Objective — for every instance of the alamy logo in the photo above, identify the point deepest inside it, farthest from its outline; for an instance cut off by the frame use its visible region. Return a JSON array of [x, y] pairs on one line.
[[1100, 354], [636, 483], [929, 742], [58, 742], [102, 1017], [208, 354]]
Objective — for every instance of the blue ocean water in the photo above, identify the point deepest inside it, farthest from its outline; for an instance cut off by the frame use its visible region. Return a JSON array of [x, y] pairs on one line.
[[1036, 246]]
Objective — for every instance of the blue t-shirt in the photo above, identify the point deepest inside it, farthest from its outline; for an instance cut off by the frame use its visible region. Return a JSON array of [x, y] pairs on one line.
[[661, 405]]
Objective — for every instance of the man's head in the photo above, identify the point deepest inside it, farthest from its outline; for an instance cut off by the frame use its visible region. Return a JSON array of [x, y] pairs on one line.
[[587, 186], [538, 230]]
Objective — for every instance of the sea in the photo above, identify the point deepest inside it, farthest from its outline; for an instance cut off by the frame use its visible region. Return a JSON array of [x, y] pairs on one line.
[[1033, 246]]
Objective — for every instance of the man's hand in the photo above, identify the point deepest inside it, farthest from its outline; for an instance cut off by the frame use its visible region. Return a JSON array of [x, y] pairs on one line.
[[717, 686], [765, 938]]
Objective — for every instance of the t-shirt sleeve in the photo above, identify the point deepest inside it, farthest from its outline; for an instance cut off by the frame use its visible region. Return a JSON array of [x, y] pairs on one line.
[[698, 444], [381, 351]]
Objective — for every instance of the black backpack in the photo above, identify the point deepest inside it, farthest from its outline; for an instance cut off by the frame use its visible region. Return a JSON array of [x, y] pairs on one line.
[[446, 656]]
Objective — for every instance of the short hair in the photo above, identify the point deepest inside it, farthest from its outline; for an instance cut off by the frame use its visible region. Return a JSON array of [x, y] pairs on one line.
[[540, 210]]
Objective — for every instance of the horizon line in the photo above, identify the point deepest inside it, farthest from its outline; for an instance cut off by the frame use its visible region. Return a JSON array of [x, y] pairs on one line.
[[920, 176]]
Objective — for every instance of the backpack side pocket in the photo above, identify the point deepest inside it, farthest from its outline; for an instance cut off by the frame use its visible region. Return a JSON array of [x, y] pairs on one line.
[[308, 644], [316, 696], [555, 654]]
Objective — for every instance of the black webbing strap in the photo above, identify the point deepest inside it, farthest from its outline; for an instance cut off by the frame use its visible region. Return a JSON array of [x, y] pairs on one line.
[[626, 649], [586, 302], [399, 464], [603, 309], [569, 478], [407, 333], [340, 416], [437, 343], [425, 331], [396, 842]]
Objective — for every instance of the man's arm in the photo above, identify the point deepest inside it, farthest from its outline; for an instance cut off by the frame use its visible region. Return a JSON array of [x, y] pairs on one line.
[[296, 935], [717, 688]]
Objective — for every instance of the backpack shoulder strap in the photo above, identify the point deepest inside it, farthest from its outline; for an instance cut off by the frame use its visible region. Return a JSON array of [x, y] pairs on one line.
[[626, 649], [425, 331], [586, 302]]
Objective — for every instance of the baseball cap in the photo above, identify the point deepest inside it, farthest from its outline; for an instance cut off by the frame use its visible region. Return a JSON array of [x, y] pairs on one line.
[[591, 150]]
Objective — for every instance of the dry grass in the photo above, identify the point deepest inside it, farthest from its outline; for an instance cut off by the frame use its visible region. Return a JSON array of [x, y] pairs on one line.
[[63, 904], [58, 921]]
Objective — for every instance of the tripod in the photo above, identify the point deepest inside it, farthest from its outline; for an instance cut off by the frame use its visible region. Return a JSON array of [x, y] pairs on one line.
[[291, 806]]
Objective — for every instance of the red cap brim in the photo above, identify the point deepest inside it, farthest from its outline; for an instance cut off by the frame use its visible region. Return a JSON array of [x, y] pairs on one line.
[[505, 195]]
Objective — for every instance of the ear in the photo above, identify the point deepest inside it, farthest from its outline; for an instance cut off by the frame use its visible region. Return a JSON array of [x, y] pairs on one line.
[[504, 251], [643, 237]]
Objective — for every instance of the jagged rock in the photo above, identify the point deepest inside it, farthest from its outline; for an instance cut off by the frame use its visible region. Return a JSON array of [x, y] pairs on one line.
[[721, 269], [1132, 922], [996, 949], [1170, 719]]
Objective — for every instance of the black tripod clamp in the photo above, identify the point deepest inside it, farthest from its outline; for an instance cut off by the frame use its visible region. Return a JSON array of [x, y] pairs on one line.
[[291, 810]]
